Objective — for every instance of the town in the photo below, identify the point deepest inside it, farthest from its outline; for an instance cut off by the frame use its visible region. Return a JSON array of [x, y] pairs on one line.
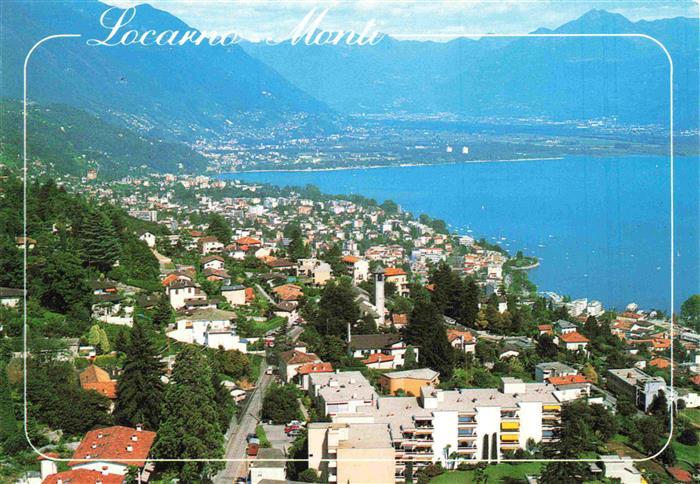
[[281, 334]]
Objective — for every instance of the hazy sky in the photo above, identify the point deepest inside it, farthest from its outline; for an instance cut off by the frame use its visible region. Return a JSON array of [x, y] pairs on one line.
[[256, 19]]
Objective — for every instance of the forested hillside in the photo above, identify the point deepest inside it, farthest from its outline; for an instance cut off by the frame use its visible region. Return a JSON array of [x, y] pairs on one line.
[[70, 141]]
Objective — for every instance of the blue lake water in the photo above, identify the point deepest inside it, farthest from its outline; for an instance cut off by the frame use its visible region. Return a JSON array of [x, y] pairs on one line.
[[601, 226]]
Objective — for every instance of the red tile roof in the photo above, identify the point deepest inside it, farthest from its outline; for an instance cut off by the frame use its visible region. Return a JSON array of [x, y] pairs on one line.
[[394, 271], [568, 380], [315, 368], [546, 328], [453, 334], [377, 358], [574, 337], [399, 319], [248, 241], [110, 445], [350, 259], [295, 357], [695, 380], [106, 388], [660, 363], [93, 374], [249, 294], [83, 476]]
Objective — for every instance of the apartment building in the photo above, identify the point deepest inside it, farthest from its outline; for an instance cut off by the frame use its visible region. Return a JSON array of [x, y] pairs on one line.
[[479, 424], [639, 387], [351, 453]]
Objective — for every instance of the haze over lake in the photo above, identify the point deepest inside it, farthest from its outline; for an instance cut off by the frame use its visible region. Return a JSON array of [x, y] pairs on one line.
[[601, 226]]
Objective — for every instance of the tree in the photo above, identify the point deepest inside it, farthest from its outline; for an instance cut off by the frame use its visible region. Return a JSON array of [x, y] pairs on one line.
[[190, 426], [367, 325], [232, 363], [219, 228], [98, 338], [99, 243], [308, 475], [162, 312], [409, 360], [61, 282], [690, 312], [296, 249], [574, 436], [546, 347], [590, 373], [426, 331], [689, 436], [336, 309], [9, 427], [140, 389], [281, 404]]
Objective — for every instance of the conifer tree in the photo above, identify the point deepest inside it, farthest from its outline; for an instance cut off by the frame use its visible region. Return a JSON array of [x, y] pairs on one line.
[[140, 389], [163, 312], [99, 242], [190, 426], [426, 331], [219, 228]]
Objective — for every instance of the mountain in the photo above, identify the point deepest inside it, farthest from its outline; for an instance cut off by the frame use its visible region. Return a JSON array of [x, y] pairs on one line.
[[556, 78], [70, 141], [170, 90]]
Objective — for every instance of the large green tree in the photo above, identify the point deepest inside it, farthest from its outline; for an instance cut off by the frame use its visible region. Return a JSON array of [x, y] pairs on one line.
[[140, 389], [190, 426], [426, 331], [219, 228], [336, 309], [690, 312], [99, 244]]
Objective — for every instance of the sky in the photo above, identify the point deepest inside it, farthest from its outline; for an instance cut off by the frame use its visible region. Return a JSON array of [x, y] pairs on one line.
[[263, 19]]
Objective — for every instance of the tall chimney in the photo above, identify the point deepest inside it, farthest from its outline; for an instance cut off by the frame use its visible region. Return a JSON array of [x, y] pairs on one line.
[[379, 294]]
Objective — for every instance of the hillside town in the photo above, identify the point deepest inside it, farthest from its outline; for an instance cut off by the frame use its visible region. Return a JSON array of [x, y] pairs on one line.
[[291, 336]]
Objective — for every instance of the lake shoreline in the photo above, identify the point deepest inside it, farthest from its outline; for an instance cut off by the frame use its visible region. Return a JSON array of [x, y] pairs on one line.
[[400, 165]]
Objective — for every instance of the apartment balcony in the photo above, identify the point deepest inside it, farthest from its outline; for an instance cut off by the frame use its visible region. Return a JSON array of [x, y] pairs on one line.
[[332, 478], [510, 438], [551, 408], [512, 425], [332, 464]]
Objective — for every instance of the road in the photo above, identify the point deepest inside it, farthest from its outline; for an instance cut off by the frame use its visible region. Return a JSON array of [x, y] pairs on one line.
[[241, 426]]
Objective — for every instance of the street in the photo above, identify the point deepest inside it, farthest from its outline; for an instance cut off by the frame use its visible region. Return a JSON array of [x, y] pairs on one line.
[[237, 443]]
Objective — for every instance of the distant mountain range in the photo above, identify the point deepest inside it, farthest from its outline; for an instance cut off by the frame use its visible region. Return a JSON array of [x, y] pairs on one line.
[[186, 92], [558, 78], [164, 89]]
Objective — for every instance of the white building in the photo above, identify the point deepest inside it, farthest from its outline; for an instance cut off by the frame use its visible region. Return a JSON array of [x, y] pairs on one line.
[[212, 328]]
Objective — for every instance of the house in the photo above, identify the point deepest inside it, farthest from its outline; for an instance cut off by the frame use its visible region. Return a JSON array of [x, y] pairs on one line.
[[269, 465], [573, 341], [248, 243], [622, 469], [307, 369], [210, 245], [399, 320], [22, 242], [235, 295], [286, 309], [408, 381], [81, 476], [571, 387], [217, 275], [545, 329], [112, 308], [358, 268], [322, 273], [213, 262], [182, 289], [177, 276], [104, 450], [379, 361], [284, 265], [291, 360], [10, 297], [362, 346], [95, 378], [288, 292], [212, 328], [546, 370], [148, 237], [342, 392], [565, 327], [398, 277], [462, 340]]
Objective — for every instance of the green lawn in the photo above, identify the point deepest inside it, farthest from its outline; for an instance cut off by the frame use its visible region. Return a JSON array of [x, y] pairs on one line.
[[692, 414], [494, 473], [686, 455]]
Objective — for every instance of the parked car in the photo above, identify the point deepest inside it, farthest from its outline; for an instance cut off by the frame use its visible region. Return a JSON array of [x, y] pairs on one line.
[[288, 429]]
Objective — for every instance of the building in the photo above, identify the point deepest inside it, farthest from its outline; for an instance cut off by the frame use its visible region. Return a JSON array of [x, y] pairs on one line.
[[95, 378], [105, 450], [409, 382], [269, 465], [544, 371], [210, 245], [291, 360], [462, 340], [235, 295], [622, 468], [633, 383], [573, 341], [357, 453], [307, 369], [398, 277], [463, 425], [212, 328], [213, 262], [358, 268], [361, 346], [10, 297], [341, 392], [181, 290]]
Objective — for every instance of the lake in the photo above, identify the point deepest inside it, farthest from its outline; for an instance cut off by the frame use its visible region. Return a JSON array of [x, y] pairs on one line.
[[600, 226]]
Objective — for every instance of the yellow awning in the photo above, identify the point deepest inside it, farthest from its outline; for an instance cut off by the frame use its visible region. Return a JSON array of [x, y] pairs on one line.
[[509, 437], [510, 425], [551, 407]]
